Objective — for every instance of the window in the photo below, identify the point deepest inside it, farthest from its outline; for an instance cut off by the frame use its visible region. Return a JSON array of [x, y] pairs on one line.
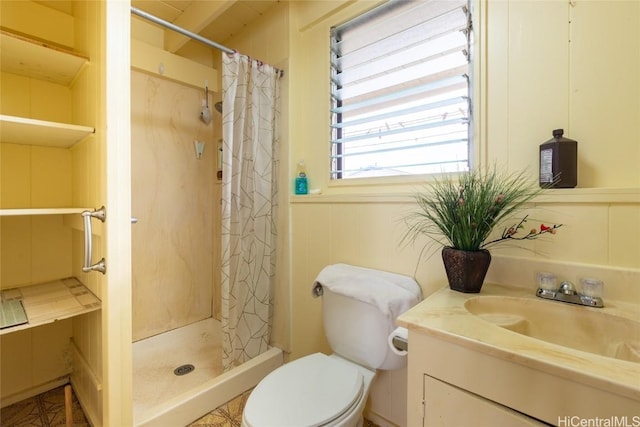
[[400, 89]]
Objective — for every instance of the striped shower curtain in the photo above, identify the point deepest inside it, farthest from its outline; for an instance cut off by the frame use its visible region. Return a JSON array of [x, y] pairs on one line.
[[251, 95]]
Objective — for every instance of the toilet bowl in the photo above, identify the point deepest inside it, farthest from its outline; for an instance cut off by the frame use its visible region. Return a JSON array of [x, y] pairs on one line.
[[316, 390], [359, 309]]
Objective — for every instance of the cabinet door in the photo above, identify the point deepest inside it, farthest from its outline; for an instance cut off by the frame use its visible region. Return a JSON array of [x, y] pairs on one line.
[[446, 405]]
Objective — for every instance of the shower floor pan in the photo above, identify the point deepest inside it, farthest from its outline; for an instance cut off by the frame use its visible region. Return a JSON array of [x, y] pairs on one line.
[[161, 397]]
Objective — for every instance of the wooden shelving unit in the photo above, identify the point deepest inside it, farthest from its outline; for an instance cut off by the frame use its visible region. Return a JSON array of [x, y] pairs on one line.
[[64, 298]]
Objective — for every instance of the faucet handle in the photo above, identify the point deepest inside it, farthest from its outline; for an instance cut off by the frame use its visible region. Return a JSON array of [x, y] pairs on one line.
[[567, 288]]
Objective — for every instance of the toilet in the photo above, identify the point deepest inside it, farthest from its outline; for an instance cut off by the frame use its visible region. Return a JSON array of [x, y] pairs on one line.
[[359, 309]]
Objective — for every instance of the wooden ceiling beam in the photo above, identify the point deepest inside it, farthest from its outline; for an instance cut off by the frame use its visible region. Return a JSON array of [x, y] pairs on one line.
[[195, 18]]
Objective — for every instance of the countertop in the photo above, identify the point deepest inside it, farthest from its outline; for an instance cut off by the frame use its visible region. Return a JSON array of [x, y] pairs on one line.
[[443, 315]]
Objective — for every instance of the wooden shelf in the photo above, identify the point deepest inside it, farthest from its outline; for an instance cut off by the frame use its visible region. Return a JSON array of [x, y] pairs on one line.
[[44, 211], [20, 130], [51, 301], [40, 60], [72, 219]]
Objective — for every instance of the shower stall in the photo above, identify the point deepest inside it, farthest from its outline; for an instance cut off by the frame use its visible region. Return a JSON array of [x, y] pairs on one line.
[[176, 257], [177, 335]]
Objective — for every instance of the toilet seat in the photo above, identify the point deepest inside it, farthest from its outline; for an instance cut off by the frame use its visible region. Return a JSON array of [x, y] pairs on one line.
[[311, 391]]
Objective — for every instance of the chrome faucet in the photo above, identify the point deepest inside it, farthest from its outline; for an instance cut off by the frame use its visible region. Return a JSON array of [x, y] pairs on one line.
[[567, 293]]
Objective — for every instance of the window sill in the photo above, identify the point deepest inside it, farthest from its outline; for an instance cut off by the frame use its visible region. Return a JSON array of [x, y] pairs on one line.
[[558, 196]]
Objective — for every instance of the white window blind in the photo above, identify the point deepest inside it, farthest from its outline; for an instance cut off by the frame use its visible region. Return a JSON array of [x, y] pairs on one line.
[[400, 88]]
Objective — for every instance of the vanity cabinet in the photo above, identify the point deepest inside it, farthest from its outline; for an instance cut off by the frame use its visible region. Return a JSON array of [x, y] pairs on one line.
[[451, 381], [442, 389], [447, 405]]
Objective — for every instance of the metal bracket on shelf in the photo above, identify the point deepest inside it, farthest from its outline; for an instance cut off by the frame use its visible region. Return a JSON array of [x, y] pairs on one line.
[[100, 266]]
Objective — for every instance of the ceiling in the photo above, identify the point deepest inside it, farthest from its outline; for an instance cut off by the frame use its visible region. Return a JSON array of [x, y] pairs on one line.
[[216, 20]]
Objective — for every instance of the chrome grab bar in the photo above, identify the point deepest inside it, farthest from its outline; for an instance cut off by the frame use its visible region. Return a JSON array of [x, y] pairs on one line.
[[88, 241]]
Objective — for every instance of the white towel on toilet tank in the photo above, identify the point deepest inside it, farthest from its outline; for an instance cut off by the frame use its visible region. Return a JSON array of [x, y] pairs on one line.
[[392, 293]]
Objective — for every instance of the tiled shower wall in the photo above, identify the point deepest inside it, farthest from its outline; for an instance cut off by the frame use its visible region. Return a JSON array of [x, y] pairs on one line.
[[174, 200]]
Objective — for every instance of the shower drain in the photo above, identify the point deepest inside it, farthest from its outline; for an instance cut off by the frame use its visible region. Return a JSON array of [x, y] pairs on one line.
[[184, 369]]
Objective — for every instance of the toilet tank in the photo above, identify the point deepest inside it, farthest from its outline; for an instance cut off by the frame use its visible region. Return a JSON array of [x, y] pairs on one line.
[[358, 331]]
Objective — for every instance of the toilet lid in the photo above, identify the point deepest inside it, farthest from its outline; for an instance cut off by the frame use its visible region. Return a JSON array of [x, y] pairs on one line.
[[310, 391]]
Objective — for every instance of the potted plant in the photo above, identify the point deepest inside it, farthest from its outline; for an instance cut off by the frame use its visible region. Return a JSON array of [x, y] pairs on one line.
[[461, 213]]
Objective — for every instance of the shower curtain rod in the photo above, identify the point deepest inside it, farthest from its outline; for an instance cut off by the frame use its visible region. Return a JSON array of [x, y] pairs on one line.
[[159, 21], [180, 30]]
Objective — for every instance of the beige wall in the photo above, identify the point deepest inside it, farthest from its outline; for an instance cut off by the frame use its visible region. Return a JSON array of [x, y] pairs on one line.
[[537, 81], [173, 199]]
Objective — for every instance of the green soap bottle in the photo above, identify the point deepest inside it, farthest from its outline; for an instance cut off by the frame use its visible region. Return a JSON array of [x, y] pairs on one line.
[[302, 185]]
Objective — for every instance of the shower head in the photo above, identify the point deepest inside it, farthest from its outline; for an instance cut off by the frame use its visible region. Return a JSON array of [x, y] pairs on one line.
[[205, 113], [218, 107]]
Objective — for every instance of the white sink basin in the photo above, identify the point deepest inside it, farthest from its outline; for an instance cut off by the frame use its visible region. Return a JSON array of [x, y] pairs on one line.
[[577, 327]]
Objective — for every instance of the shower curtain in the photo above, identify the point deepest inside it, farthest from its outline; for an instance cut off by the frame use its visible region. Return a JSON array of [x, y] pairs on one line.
[[251, 95]]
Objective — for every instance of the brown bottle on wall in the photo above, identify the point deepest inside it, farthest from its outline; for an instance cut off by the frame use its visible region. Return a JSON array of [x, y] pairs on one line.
[[559, 162]]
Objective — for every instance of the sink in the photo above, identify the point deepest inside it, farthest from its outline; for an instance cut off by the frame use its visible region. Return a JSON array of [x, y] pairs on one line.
[[580, 328]]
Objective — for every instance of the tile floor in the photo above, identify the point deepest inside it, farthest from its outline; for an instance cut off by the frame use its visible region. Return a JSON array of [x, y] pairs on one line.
[[43, 410], [230, 415], [47, 410]]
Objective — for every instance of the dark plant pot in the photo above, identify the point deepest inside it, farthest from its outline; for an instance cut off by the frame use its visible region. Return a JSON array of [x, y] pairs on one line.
[[466, 269]]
